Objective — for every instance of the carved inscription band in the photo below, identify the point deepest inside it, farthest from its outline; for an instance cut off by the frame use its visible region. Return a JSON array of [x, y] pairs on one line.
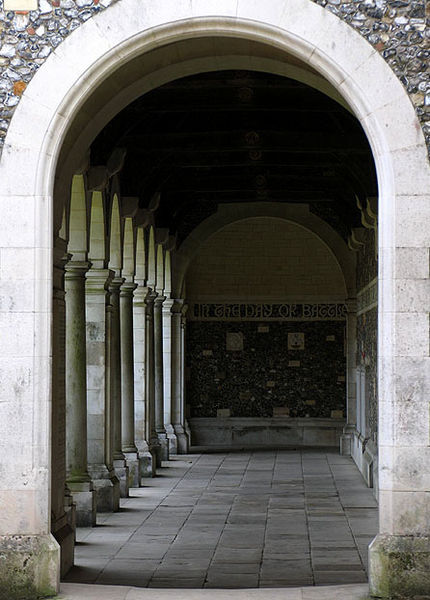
[[258, 312]]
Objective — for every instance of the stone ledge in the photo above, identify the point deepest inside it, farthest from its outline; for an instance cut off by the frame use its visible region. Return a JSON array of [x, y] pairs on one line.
[[29, 566], [249, 432]]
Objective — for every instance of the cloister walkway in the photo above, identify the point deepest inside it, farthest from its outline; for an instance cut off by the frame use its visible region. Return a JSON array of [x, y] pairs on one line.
[[251, 519]]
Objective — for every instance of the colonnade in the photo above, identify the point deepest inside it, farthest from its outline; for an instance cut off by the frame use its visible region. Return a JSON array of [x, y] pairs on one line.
[[118, 356]]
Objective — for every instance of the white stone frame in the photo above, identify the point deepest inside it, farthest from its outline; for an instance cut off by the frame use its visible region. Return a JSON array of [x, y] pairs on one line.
[[27, 171]]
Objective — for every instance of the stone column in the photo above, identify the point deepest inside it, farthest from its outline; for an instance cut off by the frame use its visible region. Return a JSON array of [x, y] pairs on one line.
[[159, 378], [183, 342], [119, 462], [167, 381], [178, 416], [139, 336], [63, 509], [127, 383], [151, 434], [347, 438], [78, 478], [100, 464]]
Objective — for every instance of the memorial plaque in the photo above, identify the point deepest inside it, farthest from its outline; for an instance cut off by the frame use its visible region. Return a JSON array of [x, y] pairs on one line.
[[294, 363], [296, 341], [263, 329], [222, 413], [330, 338], [336, 414], [281, 411], [207, 353], [270, 384], [234, 342]]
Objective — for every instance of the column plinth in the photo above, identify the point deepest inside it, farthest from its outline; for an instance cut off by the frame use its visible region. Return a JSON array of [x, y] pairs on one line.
[[78, 478], [119, 461]]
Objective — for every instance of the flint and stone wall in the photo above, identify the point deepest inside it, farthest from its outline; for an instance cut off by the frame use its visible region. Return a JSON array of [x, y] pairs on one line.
[[398, 29], [266, 373]]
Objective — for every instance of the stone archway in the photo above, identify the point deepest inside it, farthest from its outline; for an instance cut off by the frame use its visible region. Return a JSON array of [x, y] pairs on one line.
[[27, 173]]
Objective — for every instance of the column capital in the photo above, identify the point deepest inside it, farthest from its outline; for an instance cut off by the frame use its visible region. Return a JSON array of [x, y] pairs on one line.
[[116, 284], [351, 305], [98, 280], [150, 297], [159, 301], [141, 294], [127, 289], [177, 306], [76, 269], [168, 304]]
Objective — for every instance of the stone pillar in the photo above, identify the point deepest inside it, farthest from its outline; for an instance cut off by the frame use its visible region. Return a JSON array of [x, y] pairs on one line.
[[78, 478], [346, 439], [100, 464], [183, 342], [399, 556], [119, 462], [151, 434], [178, 416], [63, 509], [167, 381], [139, 335], [127, 384], [159, 378]]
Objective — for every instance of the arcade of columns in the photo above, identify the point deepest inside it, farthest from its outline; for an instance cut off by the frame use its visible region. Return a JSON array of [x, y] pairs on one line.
[[118, 405]]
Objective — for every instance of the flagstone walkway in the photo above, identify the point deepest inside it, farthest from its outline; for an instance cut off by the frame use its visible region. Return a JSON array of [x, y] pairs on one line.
[[257, 519]]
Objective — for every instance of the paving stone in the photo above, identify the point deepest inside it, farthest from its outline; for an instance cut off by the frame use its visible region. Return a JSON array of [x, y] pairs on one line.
[[239, 529]]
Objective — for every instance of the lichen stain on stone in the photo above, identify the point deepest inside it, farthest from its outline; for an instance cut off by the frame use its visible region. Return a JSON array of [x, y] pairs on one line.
[[19, 87]]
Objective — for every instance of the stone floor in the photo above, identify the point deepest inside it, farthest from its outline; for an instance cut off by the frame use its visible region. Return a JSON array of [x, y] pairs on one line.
[[257, 519]]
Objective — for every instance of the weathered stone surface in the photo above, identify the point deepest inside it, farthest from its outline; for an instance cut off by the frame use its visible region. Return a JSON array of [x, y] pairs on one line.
[[399, 566], [29, 567]]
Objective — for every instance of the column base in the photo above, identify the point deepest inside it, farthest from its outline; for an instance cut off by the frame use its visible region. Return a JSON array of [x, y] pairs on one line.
[[399, 566], [33, 566], [155, 450], [172, 439], [106, 483], [164, 446], [133, 464], [182, 440], [345, 448], [121, 472], [147, 464], [85, 498]]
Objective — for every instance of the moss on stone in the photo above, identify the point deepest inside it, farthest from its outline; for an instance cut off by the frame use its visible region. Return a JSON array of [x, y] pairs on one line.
[[28, 567]]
